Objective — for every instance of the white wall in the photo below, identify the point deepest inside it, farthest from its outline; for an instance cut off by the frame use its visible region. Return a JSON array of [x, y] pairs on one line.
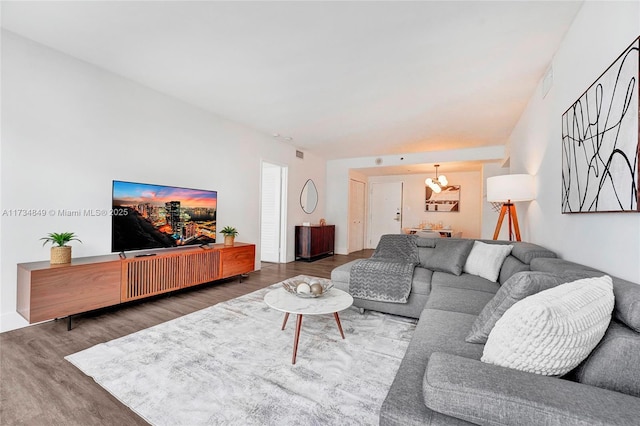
[[69, 129], [466, 220], [607, 241]]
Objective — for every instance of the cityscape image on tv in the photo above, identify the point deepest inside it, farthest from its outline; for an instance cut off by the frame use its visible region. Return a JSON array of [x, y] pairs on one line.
[[154, 216]]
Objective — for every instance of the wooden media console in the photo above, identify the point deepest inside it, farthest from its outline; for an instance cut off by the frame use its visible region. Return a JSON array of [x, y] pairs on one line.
[[48, 291]]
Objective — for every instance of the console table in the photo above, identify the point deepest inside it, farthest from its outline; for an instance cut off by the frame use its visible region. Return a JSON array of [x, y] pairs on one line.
[[314, 241], [48, 291]]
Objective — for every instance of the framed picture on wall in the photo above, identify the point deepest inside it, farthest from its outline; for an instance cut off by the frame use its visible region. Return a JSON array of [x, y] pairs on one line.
[[447, 200], [600, 134]]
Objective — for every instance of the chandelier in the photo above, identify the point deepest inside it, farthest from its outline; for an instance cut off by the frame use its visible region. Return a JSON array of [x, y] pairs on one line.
[[438, 183]]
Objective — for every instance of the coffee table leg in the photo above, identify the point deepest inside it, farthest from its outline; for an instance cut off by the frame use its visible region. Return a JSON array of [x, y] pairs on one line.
[[296, 338], [335, 315], [284, 323]]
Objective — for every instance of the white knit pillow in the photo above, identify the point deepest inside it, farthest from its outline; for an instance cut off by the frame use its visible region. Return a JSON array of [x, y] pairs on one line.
[[553, 331], [485, 260]]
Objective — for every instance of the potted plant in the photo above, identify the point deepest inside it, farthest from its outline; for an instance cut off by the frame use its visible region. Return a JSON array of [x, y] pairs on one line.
[[60, 252], [229, 233]]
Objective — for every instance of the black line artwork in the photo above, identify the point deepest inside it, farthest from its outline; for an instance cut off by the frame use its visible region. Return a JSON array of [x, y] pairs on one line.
[[600, 133]]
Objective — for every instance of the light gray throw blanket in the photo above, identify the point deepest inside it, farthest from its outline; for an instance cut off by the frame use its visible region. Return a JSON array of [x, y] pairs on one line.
[[387, 275]]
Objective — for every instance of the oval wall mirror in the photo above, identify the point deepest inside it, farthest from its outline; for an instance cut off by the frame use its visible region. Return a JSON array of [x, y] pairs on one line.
[[309, 197]]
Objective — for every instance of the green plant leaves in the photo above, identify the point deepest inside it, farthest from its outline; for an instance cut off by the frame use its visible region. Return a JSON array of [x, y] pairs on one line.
[[229, 231], [60, 239]]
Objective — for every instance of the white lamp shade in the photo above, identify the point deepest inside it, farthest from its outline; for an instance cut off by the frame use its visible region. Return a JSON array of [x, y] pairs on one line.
[[501, 189]]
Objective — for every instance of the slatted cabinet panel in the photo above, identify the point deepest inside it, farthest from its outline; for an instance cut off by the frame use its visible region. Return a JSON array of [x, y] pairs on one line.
[[200, 268], [149, 276]]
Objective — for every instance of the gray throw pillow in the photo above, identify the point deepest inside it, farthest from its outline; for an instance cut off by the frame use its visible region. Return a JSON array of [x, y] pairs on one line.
[[516, 288], [449, 255]]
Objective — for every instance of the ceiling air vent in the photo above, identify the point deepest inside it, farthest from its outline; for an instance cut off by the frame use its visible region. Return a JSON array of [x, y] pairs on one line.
[[299, 154]]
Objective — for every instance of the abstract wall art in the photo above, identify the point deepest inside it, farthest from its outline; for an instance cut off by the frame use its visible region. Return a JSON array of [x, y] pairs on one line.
[[448, 200], [600, 134]]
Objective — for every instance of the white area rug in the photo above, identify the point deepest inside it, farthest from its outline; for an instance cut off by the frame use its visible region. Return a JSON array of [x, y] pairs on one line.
[[231, 364]]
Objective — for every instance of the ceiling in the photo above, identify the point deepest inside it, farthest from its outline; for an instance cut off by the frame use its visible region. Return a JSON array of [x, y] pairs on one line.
[[342, 79]]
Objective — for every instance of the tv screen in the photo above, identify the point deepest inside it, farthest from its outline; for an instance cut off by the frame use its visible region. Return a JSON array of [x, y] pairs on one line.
[[154, 216]]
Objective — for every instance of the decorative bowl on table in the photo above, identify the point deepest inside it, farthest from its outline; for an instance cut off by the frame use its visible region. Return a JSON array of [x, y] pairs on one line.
[[308, 287]]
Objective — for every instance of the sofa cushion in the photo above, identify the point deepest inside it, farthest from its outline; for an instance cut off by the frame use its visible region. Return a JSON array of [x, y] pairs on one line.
[[489, 395], [557, 266], [421, 283], [526, 252], [468, 281], [445, 331], [485, 260], [425, 242], [449, 255], [519, 286], [627, 307], [615, 363], [458, 300], [551, 332], [436, 331], [510, 267], [627, 294], [342, 273]]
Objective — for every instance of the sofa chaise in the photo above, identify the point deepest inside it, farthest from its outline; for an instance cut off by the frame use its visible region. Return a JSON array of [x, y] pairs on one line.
[[441, 379]]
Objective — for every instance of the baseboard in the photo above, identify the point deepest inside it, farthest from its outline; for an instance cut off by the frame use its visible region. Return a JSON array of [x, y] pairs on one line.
[[12, 321]]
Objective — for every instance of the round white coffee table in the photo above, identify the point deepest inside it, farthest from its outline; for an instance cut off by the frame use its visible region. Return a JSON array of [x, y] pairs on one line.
[[332, 302]]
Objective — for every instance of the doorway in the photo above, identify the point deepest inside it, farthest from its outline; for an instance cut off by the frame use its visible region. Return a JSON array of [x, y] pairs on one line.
[[273, 213], [386, 211], [356, 215]]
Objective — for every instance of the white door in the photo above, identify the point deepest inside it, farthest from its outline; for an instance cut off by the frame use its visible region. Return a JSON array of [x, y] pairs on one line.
[[386, 211], [356, 215], [272, 213]]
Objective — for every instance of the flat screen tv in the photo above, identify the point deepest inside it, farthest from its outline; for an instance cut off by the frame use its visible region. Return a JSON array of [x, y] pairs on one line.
[[154, 216]]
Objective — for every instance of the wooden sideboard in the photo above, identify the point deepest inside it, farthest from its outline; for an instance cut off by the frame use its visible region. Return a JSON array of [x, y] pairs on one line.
[[48, 291], [314, 241]]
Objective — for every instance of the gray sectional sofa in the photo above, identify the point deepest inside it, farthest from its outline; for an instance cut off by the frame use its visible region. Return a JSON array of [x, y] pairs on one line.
[[441, 379]]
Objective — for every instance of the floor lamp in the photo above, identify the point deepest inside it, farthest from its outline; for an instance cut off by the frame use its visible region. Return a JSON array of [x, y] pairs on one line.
[[508, 189]]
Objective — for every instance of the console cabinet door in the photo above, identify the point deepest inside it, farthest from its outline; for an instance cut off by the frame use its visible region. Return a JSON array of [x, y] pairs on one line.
[[55, 292], [328, 238], [237, 260]]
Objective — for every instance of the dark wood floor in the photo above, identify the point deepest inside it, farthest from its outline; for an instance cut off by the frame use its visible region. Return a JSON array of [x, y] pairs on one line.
[[37, 385]]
